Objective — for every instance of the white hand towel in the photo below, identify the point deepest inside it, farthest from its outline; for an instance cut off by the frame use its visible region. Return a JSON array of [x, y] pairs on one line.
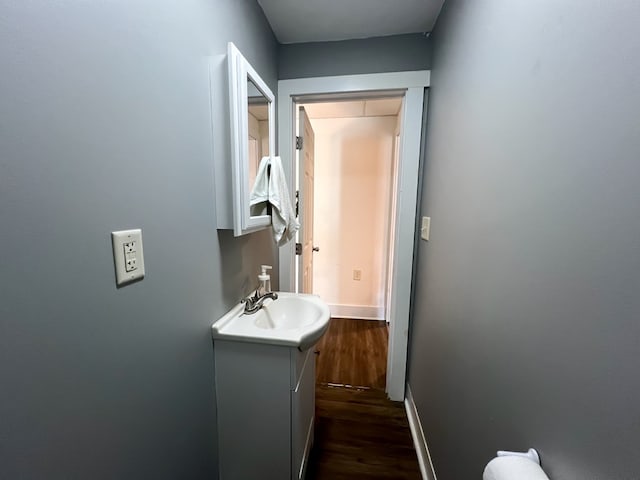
[[260, 190], [273, 188]]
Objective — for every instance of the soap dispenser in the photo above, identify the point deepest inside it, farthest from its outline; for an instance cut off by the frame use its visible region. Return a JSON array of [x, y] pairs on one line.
[[265, 278]]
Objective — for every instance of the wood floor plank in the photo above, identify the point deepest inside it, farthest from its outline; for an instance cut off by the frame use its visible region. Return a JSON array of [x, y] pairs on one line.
[[359, 433], [353, 352]]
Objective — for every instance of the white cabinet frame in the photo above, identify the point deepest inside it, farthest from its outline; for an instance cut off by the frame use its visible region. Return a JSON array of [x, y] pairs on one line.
[[240, 70]]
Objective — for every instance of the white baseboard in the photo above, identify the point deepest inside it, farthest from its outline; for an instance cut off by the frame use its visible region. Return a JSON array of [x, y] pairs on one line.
[[419, 441], [364, 312]]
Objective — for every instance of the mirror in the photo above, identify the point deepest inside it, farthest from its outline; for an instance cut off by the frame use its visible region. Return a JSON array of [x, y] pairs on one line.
[[252, 138], [258, 125]]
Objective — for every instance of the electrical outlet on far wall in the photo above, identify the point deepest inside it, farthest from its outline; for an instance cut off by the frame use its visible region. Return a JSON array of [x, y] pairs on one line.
[[127, 255], [357, 275]]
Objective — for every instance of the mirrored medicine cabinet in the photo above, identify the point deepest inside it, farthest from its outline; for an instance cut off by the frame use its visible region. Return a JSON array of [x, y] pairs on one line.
[[252, 113]]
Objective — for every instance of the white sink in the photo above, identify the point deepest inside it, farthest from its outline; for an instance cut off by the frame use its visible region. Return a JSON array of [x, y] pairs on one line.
[[294, 319]]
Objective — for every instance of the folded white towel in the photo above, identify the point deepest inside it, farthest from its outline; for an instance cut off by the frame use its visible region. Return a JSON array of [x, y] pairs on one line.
[[272, 187]]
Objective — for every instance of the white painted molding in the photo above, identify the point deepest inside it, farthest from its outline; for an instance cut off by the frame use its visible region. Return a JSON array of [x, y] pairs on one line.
[[413, 84], [240, 71], [419, 441], [406, 210], [356, 83], [363, 312]]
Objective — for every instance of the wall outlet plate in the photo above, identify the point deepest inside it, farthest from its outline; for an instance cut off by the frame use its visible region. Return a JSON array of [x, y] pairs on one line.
[[426, 227], [128, 257]]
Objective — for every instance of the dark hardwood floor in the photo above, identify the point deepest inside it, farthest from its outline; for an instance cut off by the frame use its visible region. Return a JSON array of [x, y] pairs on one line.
[[359, 433], [353, 352]]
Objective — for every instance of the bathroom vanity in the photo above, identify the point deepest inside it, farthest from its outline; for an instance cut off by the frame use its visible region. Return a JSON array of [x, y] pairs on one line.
[[266, 401], [265, 387]]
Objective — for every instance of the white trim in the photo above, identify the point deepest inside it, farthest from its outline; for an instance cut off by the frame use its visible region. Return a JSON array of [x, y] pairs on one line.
[[408, 169], [413, 84], [363, 312], [419, 440], [355, 83], [239, 71]]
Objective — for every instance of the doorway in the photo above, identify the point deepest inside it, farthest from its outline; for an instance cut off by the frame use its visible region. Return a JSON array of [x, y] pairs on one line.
[[411, 87], [347, 185], [347, 164]]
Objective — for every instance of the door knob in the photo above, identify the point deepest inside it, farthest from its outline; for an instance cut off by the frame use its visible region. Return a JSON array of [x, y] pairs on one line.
[[316, 249]]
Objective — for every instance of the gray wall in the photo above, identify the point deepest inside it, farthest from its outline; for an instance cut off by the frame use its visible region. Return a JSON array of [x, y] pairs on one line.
[[395, 53], [526, 324], [105, 125]]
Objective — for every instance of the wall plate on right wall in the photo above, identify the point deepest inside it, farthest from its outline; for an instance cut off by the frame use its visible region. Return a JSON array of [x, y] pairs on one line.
[[426, 226]]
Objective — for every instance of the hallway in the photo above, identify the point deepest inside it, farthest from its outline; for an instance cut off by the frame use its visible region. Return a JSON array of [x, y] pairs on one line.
[[359, 433]]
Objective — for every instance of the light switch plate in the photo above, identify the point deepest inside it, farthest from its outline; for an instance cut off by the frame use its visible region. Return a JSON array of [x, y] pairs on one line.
[[128, 256], [426, 227]]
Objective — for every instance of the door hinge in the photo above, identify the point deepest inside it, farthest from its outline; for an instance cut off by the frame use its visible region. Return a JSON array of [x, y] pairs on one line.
[[297, 203], [298, 249], [299, 143]]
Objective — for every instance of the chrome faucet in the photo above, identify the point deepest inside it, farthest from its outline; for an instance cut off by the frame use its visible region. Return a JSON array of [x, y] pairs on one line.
[[254, 303]]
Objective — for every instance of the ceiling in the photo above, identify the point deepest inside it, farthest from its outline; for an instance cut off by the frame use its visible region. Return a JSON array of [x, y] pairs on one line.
[[261, 112], [296, 21], [380, 107]]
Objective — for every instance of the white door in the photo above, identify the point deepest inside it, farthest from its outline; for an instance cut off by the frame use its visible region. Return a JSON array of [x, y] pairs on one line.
[[305, 266]]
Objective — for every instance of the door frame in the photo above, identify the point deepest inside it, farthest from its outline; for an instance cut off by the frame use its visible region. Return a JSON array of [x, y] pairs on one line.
[[413, 84]]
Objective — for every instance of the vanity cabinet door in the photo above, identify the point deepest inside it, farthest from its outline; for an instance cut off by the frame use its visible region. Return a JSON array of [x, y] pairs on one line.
[[302, 414]]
